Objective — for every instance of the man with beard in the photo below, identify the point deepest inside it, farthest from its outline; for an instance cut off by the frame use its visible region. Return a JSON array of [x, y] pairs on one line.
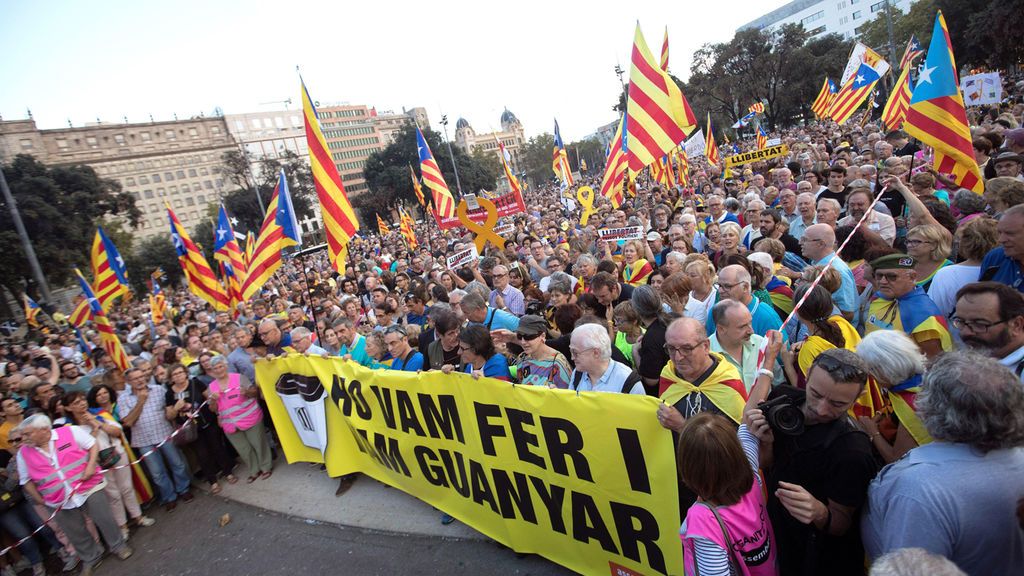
[[990, 317], [772, 227]]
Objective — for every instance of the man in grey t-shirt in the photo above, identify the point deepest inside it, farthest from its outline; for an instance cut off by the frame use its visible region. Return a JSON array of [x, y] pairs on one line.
[[958, 496]]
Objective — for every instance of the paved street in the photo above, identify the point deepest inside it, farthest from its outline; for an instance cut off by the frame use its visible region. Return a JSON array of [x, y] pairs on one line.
[[190, 541]]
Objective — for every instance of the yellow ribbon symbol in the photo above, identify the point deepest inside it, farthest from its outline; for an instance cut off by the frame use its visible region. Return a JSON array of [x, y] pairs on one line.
[[482, 233], [586, 197]]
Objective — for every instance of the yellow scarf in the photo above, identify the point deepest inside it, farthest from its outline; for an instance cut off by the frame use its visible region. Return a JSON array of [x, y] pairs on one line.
[[723, 387]]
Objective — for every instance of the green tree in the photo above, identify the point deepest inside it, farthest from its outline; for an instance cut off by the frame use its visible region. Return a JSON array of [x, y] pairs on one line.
[[536, 158], [387, 173], [152, 253], [242, 203], [997, 29], [60, 207], [590, 151]]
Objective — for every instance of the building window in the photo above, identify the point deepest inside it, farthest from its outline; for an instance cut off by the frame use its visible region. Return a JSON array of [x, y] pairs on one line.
[[156, 178], [152, 208], [192, 173], [148, 194], [145, 136], [215, 130], [193, 133], [203, 172], [817, 31], [177, 203], [62, 143], [857, 15], [91, 141], [143, 180], [130, 181], [180, 174], [207, 184], [813, 17], [878, 6], [174, 189], [201, 199], [119, 139], [189, 201], [169, 177], [170, 135]]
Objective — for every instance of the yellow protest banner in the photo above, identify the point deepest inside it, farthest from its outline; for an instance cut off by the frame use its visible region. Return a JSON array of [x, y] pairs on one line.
[[755, 155], [586, 480]]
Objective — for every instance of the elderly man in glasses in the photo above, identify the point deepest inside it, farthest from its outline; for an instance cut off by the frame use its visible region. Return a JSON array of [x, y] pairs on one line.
[[903, 305]]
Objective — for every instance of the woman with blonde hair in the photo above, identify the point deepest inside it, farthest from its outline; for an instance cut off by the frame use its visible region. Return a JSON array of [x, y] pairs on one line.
[[635, 268], [703, 295], [930, 245], [974, 240], [729, 244]]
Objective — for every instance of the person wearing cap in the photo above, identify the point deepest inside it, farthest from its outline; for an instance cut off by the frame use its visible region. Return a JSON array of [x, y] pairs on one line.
[[505, 296], [397, 341], [654, 240], [902, 305], [539, 364], [1008, 164]]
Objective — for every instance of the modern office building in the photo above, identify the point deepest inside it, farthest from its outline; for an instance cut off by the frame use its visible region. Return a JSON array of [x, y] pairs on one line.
[[844, 17]]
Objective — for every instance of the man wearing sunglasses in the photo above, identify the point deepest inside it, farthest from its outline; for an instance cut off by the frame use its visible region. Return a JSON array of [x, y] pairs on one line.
[[902, 305]]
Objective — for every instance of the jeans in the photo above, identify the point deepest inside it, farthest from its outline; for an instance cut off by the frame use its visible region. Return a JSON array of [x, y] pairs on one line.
[[169, 487], [19, 522]]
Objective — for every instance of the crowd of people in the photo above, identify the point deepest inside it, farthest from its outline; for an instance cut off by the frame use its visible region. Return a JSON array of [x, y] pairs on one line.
[[833, 409]]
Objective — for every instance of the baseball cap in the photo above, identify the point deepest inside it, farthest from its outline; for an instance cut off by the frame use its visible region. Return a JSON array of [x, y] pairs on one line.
[[653, 235], [531, 325]]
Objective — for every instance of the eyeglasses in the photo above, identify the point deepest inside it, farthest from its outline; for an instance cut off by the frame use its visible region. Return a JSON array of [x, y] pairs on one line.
[[976, 326], [396, 330], [574, 353], [684, 349], [721, 286], [918, 242]]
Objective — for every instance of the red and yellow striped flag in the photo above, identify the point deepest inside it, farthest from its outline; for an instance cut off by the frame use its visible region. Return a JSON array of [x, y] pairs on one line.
[[444, 203], [201, 280], [823, 102], [111, 343], [683, 166], [340, 222], [407, 227], [416, 187], [659, 118], [762, 139], [895, 111], [664, 51], [265, 256], [250, 245], [81, 314], [382, 226], [710, 148], [614, 169], [110, 279]]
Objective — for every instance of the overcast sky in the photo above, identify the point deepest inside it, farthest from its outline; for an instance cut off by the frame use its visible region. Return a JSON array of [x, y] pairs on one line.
[[542, 59]]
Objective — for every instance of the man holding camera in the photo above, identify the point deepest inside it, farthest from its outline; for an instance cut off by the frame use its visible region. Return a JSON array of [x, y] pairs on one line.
[[818, 465]]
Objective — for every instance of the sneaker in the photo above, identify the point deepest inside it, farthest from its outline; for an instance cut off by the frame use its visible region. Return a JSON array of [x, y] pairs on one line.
[[124, 553], [447, 519], [145, 521], [125, 534], [70, 560], [187, 497], [38, 570]]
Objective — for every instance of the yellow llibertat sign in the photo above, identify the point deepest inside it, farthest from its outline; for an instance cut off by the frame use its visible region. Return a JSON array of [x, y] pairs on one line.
[[755, 155], [587, 480]]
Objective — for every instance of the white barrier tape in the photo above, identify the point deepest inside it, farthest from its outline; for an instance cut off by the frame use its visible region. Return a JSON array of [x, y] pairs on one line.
[[177, 430]]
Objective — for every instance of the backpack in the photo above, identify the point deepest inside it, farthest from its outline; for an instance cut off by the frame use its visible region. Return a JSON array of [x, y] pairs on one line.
[[632, 379]]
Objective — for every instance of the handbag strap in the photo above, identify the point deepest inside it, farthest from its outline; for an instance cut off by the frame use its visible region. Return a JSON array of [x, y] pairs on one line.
[[734, 560]]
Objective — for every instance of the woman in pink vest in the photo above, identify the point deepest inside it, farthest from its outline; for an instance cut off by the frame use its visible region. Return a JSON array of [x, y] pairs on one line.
[[727, 530], [58, 469], [234, 399]]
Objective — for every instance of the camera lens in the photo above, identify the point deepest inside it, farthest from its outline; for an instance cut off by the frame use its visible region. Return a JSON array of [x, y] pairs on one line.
[[786, 419]]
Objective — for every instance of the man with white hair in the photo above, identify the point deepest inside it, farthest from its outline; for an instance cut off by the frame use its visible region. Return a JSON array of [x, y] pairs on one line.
[[302, 341], [734, 283], [673, 263], [752, 216], [591, 350], [829, 210], [694, 237], [805, 215], [58, 468]]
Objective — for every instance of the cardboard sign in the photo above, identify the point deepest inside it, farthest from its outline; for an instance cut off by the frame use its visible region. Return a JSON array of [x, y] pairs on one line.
[[755, 155], [505, 229], [696, 144], [981, 89], [462, 257], [616, 234]]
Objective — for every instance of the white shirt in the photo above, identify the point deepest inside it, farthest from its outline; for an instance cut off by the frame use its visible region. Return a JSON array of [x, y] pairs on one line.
[[611, 381], [698, 309], [85, 441], [881, 224]]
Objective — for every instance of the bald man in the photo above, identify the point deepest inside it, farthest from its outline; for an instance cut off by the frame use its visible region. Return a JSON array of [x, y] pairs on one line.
[[819, 247]]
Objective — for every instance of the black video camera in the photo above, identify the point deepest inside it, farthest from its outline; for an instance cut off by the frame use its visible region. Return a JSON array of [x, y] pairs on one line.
[[783, 415]]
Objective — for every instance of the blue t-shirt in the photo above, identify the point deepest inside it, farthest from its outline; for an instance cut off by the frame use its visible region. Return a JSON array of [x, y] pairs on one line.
[[414, 363], [764, 318], [846, 296], [497, 319], [998, 267], [495, 367], [357, 351]]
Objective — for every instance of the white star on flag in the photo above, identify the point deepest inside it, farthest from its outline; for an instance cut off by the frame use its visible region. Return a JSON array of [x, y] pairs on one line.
[[926, 75], [221, 232], [860, 79]]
